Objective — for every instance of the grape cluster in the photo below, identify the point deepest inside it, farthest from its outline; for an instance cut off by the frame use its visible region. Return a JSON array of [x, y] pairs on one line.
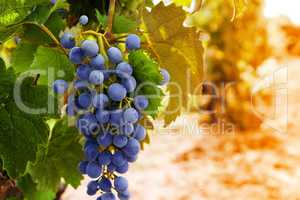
[[107, 111]]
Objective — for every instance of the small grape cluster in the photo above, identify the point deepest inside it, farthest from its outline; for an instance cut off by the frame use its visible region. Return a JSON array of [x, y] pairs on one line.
[[107, 111]]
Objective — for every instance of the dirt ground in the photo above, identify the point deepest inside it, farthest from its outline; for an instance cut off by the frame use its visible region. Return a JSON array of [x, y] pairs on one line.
[[187, 163]]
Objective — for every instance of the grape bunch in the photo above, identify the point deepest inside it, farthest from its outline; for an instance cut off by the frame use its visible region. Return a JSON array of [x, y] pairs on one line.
[[102, 98]]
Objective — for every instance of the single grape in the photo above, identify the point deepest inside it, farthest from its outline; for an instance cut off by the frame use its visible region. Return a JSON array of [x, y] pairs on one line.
[[132, 148], [53, 1], [105, 184], [124, 70], [107, 196], [129, 83], [131, 158], [139, 132], [100, 101], [83, 20], [133, 42], [82, 166], [104, 140], [111, 167], [141, 102], [83, 72], [126, 128], [93, 170], [17, 39], [102, 116], [114, 55], [166, 76], [76, 55], [118, 159], [121, 184], [130, 115], [67, 40], [125, 195], [116, 116], [104, 158], [96, 77], [98, 62], [60, 86], [92, 188], [81, 84], [116, 92], [84, 100], [90, 48], [120, 141], [123, 169], [91, 152]]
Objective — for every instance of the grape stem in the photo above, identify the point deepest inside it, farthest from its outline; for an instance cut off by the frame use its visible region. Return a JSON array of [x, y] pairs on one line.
[[111, 12]]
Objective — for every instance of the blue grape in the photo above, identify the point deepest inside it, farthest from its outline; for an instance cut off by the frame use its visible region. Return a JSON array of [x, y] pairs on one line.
[[116, 92], [82, 166], [118, 159], [120, 141], [53, 1], [92, 188], [60, 86], [100, 101], [131, 158], [93, 170], [86, 122], [139, 132], [116, 116], [98, 62], [121, 184], [107, 196], [141, 102], [104, 158], [67, 40], [71, 109], [90, 48], [17, 39], [124, 70], [126, 128], [129, 83], [166, 76], [102, 116], [125, 195], [130, 115], [105, 184], [83, 72], [111, 167], [84, 100], [83, 20], [133, 42], [114, 55], [91, 152], [76, 55], [132, 147], [96, 77], [104, 140], [123, 169]]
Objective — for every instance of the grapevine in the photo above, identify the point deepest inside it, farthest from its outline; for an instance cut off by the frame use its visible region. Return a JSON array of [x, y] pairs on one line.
[[107, 100]]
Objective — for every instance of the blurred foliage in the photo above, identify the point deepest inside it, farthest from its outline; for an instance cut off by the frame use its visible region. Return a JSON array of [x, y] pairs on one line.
[[236, 44]]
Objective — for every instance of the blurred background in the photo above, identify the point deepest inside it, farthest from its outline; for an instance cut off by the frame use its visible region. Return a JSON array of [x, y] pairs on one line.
[[244, 144]]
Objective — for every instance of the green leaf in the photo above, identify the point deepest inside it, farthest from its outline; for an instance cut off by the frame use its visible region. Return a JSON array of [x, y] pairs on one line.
[[14, 11], [179, 50], [7, 79], [22, 56], [20, 135], [59, 158], [51, 59], [30, 191], [154, 95], [144, 68], [121, 23]]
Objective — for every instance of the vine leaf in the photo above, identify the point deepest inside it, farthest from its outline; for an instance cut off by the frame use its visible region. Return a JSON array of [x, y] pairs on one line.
[[30, 192], [179, 50], [59, 158], [54, 60], [121, 23]]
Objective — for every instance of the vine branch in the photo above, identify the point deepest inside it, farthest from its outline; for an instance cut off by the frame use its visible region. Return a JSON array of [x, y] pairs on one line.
[[111, 13]]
